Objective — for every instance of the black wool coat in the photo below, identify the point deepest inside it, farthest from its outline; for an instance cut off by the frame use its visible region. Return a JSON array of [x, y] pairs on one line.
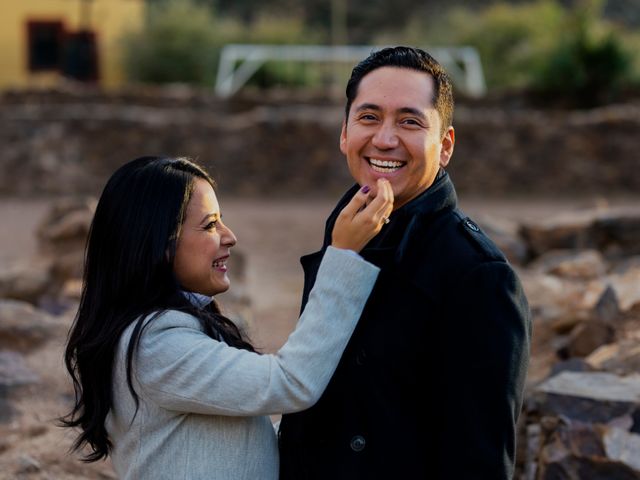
[[430, 385]]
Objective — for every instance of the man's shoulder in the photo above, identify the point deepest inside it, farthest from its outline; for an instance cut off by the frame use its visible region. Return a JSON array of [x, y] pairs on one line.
[[451, 246], [479, 244], [457, 235]]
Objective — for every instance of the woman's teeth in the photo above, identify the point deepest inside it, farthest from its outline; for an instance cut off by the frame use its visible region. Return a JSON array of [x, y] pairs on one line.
[[220, 263], [384, 166]]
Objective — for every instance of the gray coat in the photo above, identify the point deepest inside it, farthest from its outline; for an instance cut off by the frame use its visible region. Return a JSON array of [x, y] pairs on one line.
[[204, 405]]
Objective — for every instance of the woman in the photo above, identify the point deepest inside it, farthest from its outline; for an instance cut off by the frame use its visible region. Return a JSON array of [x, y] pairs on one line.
[[164, 383]]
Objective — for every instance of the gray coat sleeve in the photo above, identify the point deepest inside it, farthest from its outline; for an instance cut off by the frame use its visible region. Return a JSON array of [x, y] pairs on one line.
[[179, 368]]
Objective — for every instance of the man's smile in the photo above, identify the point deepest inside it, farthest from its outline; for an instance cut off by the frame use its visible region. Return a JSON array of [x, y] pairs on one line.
[[384, 166]]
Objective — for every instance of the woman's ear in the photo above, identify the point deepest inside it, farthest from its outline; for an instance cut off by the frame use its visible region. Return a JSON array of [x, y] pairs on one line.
[[171, 248]]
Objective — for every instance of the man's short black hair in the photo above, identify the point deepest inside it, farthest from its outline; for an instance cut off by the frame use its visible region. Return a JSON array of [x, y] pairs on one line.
[[412, 58]]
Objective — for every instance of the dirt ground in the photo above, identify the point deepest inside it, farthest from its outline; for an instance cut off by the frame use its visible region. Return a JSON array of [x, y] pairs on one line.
[[272, 234]]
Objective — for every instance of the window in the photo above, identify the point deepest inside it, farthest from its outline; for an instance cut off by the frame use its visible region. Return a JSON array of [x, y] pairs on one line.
[[73, 54], [80, 56], [45, 41]]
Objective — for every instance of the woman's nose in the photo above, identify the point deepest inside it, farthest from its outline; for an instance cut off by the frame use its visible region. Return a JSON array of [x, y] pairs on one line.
[[228, 238]]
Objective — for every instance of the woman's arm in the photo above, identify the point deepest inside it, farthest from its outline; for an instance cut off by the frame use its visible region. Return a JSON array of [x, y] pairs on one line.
[[180, 368]]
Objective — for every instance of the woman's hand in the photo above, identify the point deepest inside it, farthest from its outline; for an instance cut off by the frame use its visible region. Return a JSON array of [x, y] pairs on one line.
[[361, 219]]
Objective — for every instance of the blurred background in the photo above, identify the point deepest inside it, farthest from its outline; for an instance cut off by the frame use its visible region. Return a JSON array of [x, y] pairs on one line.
[[547, 124]]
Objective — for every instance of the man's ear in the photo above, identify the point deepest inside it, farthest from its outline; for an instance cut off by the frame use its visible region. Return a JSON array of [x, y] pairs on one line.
[[448, 141], [343, 138]]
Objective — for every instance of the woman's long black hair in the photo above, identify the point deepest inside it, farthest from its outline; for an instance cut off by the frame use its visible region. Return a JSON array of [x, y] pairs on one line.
[[128, 275]]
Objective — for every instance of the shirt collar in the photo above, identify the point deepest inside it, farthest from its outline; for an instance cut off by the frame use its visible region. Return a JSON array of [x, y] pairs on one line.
[[198, 300], [439, 196]]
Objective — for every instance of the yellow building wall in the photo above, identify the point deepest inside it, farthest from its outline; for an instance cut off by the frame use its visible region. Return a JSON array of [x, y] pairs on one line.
[[109, 19]]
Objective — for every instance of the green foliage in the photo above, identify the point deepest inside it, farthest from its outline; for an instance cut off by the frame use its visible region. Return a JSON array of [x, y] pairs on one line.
[[540, 45], [511, 39], [563, 53], [181, 42], [281, 31], [177, 44], [631, 43], [588, 66]]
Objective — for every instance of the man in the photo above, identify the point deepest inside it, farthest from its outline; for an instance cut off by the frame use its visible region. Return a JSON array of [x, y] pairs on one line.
[[447, 316]]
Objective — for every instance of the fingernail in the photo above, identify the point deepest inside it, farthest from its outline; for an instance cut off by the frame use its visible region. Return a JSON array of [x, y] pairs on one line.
[[365, 189]]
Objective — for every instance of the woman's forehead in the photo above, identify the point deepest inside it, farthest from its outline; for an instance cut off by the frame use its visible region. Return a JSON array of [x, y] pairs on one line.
[[203, 199]]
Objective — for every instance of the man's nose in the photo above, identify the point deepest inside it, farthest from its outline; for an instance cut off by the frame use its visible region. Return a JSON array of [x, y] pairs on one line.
[[385, 137]]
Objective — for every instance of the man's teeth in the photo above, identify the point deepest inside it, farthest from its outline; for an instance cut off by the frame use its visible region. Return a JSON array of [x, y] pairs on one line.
[[384, 166]]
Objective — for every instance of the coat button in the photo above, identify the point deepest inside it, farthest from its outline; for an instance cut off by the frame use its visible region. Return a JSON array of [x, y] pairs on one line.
[[471, 226], [358, 443]]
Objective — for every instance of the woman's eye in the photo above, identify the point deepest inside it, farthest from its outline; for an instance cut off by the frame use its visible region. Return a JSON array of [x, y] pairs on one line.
[[211, 225]]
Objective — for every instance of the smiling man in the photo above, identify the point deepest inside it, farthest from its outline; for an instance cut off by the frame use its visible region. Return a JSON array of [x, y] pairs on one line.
[[392, 130], [430, 385]]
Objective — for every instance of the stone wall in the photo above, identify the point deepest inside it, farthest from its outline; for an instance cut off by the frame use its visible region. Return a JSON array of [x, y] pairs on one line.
[[63, 142]]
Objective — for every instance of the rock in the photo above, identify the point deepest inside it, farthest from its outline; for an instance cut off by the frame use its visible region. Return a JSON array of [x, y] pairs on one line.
[[567, 438], [579, 265], [571, 365], [66, 225], [62, 237], [568, 231], [623, 446], [67, 265], [588, 336], [13, 373], [25, 280], [577, 450], [37, 430], [595, 385], [627, 287], [619, 231], [564, 324], [545, 294], [586, 396], [621, 358], [505, 235], [23, 327], [626, 264], [614, 232], [563, 303], [607, 309], [533, 439], [72, 289], [28, 464]]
